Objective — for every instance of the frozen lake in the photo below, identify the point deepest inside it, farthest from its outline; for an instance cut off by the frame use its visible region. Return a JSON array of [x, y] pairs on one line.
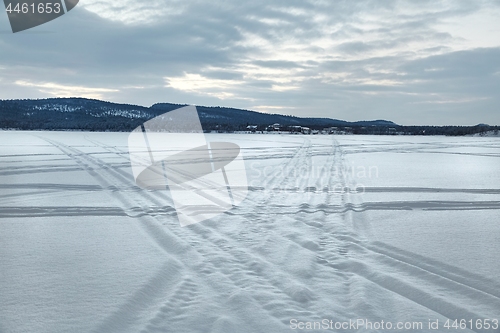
[[379, 228]]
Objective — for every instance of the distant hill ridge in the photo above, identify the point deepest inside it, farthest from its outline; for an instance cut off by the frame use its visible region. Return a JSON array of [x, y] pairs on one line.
[[96, 115], [82, 113], [210, 114]]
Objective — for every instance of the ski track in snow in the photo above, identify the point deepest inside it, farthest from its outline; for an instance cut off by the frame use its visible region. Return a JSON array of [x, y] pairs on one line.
[[296, 248]]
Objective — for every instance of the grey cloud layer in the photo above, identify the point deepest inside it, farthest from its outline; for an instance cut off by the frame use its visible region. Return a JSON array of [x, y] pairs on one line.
[[362, 60]]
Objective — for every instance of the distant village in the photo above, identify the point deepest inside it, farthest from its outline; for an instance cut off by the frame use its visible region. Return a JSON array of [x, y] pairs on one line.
[[276, 128], [295, 129]]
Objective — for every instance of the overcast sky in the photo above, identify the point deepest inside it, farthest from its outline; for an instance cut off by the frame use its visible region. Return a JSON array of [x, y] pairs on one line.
[[412, 62]]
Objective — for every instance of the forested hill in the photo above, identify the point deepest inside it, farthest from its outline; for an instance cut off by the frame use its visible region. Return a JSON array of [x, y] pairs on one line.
[[96, 115], [88, 114]]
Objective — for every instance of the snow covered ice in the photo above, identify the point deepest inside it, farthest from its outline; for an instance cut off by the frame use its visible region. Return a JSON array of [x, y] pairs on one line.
[[399, 229]]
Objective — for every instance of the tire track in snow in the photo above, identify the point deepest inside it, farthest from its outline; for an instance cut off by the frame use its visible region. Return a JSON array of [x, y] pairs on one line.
[[280, 233], [429, 190], [130, 315], [432, 205], [452, 273], [443, 289], [35, 170], [281, 177], [148, 296], [362, 299], [301, 157], [166, 241], [279, 283]]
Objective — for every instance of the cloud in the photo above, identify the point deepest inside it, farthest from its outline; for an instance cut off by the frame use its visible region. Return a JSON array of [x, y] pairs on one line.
[[59, 90], [342, 59], [198, 84], [135, 12]]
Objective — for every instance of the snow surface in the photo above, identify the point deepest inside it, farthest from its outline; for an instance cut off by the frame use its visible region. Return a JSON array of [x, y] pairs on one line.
[[400, 229]]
